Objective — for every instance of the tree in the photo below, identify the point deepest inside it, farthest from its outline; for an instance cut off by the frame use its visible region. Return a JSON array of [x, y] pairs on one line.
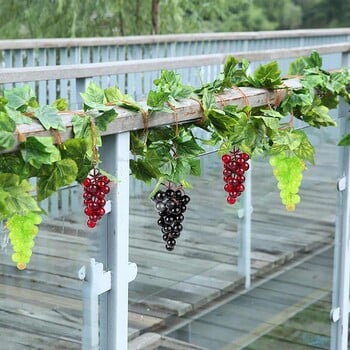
[[74, 18]]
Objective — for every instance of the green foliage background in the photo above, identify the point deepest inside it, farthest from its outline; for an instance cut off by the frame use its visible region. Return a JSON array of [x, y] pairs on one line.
[[75, 18]]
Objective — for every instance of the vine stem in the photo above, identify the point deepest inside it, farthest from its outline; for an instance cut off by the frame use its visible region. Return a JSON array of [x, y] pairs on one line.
[[173, 108], [95, 156]]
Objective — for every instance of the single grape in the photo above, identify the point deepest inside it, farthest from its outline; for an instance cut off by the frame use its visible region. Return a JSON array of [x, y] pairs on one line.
[[226, 158]]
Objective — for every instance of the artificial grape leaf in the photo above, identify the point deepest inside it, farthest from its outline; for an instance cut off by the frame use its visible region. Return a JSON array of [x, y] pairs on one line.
[[297, 67], [317, 116], [97, 106], [311, 81], [39, 150], [314, 60], [20, 98], [15, 194], [182, 169], [7, 128], [345, 140], [170, 83], [60, 104], [17, 116], [116, 97], [144, 171], [288, 139], [208, 101], [270, 117], [157, 100], [77, 149], [137, 146], [266, 76], [104, 119], [305, 150], [81, 126], [230, 65], [195, 166], [49, 118], [7, 140], [94, 98], [52, 177], [189, 148], [4, 210], [93, 93], [13, 163], [222, 124]]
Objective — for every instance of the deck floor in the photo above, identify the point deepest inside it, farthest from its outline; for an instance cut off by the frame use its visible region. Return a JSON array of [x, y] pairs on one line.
[[41, 308]]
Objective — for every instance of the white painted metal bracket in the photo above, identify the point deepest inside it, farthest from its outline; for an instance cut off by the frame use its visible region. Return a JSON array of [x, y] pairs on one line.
[[96, 282]]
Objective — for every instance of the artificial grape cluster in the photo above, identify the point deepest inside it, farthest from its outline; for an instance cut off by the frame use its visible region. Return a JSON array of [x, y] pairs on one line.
[[171, 205], [235, 165], [288, 170], [95, 190], [22, 232]]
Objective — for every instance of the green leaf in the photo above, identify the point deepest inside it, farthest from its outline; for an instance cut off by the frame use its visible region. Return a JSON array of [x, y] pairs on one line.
[[297, 67], [93, 93], [182, 169], [116, 97], [7, 128], [314, 60], [270, 117], [17, 116], [39, 150], [195, 164], [305, 150], [55, 176], [14, 163], [81, 126], [49, 118], [15, 196], [157, 101], [21, 98], [104, 119], [143, 170], [317, 116], [345, 140], [288, 139], [208, 100], [267, 76], [77, 149], [60, 104]]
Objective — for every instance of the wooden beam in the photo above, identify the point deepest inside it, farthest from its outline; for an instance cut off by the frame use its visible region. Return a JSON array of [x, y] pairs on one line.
[[188, 110]]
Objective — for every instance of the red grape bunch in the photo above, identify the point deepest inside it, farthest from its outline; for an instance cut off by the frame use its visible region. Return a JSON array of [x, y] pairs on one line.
[[235, 165], [95, 190], [171, 205]]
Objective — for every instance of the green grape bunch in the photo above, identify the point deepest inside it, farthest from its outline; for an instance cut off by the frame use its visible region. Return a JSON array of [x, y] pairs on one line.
[[288, 170], [22, 231]]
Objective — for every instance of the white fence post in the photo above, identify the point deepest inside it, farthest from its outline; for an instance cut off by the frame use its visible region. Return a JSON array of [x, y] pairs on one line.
[[341, 273], [116, 161]]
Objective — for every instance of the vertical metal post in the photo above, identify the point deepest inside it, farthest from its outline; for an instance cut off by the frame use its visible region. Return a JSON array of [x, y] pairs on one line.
[[116, 161], [245, 217], [341, 273]]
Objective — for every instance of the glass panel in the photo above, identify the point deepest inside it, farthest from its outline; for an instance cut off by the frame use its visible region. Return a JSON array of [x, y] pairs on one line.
[[41, 307], [195, 293]]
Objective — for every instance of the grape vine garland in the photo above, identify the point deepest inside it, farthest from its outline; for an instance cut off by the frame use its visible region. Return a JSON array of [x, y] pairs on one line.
[[168, 154]]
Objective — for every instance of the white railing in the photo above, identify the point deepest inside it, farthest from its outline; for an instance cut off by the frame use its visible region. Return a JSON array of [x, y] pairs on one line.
[[103, 59]]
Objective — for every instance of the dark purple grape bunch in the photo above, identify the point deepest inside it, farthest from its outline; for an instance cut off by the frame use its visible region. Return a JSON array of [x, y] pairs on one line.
[[171, 205], [235, 165], [95, 190]]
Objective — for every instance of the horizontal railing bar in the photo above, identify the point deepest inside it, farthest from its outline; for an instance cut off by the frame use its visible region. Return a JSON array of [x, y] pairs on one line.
[[166, 38], [11, 75], [186, 111]]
